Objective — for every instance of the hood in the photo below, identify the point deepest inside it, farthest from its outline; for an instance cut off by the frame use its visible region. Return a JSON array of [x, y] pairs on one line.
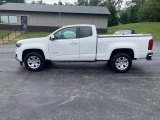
[[42, 39]]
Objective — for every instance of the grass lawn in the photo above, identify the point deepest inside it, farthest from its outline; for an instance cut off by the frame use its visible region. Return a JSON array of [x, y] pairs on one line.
[[3, 32], [27, 35], [144, 28]]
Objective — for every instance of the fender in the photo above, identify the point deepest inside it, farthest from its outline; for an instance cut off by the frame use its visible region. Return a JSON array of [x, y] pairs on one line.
[[35, 43], [38, 46], [120, 45]]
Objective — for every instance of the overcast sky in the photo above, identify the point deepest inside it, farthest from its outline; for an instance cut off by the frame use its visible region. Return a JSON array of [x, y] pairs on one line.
[[52, 1]]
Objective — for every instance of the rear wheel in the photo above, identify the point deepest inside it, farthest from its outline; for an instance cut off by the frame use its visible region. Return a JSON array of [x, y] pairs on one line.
[[121, 62], [34, 61]]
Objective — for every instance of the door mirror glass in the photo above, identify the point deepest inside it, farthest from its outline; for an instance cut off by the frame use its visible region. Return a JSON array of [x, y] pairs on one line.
[[52, 37]]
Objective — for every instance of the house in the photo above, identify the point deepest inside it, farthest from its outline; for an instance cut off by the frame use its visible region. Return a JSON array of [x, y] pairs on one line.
[[36, 17]]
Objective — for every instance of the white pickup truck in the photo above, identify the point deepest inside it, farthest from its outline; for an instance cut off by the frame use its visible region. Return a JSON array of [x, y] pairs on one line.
[[81, 43]]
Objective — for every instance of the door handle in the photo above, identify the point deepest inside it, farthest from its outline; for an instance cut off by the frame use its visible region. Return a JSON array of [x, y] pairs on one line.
[[73, 43]]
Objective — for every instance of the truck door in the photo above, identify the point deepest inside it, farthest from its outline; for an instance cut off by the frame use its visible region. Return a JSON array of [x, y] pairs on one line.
[[65, 47], [88, 43]]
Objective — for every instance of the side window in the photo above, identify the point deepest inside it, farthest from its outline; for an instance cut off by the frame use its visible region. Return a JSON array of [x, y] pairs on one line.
[[85, 32], [66, 33], [8, 19]]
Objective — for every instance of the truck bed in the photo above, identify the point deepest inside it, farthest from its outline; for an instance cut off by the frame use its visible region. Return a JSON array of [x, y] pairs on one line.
[[136, 42], [131, 35]]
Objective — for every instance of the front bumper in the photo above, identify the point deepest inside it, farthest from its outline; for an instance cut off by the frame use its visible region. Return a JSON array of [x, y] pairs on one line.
[[149, 56], [16, 57], [18, 54]]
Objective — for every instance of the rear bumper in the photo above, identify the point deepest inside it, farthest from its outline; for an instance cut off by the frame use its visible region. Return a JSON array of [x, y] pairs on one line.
[[149, 56]]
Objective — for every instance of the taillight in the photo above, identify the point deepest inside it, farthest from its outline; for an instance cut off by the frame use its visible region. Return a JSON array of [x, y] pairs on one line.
[[150, 45]]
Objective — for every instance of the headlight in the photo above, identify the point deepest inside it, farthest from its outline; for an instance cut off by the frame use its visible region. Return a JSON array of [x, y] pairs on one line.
[[18, 45]]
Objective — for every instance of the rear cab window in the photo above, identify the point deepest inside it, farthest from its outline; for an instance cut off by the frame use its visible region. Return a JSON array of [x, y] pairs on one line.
[[85, 31]]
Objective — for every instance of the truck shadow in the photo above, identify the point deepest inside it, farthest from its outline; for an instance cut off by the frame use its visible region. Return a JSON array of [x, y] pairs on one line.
[[98, 67]]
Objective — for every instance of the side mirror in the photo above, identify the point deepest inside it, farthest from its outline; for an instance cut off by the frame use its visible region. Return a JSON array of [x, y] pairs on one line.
[[52, 37]]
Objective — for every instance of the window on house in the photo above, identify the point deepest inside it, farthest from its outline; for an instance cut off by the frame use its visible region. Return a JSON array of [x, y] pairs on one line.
[[4, 19], [13, 19], [8, 19]]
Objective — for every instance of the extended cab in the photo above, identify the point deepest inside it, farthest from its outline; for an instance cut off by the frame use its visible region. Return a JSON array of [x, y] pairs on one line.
[[81, 43]]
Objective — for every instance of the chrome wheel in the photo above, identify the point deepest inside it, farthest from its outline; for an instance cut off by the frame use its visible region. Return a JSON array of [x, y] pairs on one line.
[[122, 63], [34, 62]]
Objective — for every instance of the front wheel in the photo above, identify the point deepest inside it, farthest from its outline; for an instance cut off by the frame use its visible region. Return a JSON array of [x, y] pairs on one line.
[[121, 62], [34, 61]]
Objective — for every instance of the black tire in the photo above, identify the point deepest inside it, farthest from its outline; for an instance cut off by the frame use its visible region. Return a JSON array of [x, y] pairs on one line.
[[121, 62], [34, 56], [109, 64], [48, 63]]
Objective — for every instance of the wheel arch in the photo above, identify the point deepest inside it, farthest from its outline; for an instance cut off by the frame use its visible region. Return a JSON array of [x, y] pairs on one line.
[[27, 51], [128, 51]]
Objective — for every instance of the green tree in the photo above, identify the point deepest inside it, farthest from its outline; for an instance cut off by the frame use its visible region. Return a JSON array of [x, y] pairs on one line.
[[82, 2], [15, 1], [131, 12], [123, 17], [113, 19], [114, 7], [94, 2], [33, 2], [138, 2], [39, 2], [1, 2], [150, 11], [60, 3]]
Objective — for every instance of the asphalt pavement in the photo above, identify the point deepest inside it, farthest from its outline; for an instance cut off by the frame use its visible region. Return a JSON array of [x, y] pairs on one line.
[[79, 91]]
